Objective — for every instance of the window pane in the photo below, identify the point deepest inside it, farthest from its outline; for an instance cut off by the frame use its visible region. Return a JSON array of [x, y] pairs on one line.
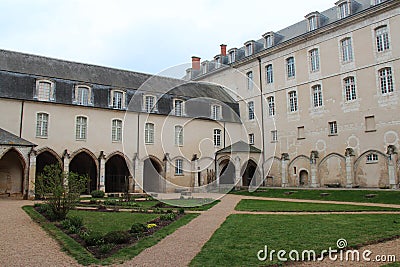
[[271, 106], [149, 133], [42, 124], [44, 91], [81, 128]]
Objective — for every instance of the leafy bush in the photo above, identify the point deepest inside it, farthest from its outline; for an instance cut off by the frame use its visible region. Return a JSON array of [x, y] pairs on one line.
[[97, 194], [117, 237], [168, 217], [47, 211], [105, 248], [110, 202], [76, 221], [93, 238], [138, 228], [181, 211]]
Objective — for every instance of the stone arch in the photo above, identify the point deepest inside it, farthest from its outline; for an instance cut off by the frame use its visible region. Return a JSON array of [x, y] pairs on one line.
[[332, 170], [84, 162], [298, 164], [46, 156], [374, 174], [273, 172], [117, 173], [12, 172], [227, 170], [153, 175], [250, 173]]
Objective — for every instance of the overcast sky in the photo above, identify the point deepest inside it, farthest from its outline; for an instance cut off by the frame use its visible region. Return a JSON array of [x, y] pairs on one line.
[[146, 36]]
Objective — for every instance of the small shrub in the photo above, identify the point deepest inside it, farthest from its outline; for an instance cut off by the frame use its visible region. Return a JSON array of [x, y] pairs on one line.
[[116, 237], [76, 221], [110, 202], [170, 211], [168, 217], [137, 228], [97, 194], [93, 238], [106, 248], [181, 211]]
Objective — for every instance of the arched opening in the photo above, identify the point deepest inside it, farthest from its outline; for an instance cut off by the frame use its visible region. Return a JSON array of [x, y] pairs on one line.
[[117, 175], [303, 178], [227, 173], [152, 176], [11, 173], [84, 164], [43, 159], [249, 173]]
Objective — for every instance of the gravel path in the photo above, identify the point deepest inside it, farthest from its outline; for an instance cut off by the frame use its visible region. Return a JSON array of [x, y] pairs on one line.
[[24, 243]]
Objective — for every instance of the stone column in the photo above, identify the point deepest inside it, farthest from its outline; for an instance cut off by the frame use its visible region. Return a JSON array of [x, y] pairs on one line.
[[195, 171], [66, 159], [138, 172], [31, 175], [314, 169], [166, 186], [284, 161], [131, 184], [349, 167], [392, 160], [102, 171], [238, 178]]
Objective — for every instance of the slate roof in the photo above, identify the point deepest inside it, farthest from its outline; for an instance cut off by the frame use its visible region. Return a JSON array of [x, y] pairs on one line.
[[239, 147], [9, 139]]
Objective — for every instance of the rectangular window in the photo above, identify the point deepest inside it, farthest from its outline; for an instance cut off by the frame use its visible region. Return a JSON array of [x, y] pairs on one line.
[[386, 80], [268, 41], [350, 89], [82, 95], [372, 158], [117, 100], [42, 124], [44, 91], [333, 128], [271, 106], [178, 167], [216, 112], [250, 106], [217, 137], [178, 135], [249, 80], [382, 39], [290, 67], [81, 128], [116, 130], [149, 133], [178, 107], [249, 50], [370, 125], [312, 23], [269, 74], [149, 105], [232, 56], [274, 136], [293, 101], [251, 139], [300, 132], [317, 96], [344, 10], [347, 50], [314, 58]]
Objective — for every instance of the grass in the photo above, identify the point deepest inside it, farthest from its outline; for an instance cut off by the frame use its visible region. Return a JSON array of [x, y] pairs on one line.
[[104, 222], [85, 258], [386, 197], [240, 237], [276, 206]]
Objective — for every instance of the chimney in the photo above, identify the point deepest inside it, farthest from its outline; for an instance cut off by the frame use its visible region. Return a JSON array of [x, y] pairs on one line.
[[196, 63], [223, 50]]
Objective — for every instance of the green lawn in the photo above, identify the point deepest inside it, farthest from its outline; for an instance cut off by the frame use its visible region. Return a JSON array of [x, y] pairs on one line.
[[274, 206], [388, 197], [105, 222], [238, 240]]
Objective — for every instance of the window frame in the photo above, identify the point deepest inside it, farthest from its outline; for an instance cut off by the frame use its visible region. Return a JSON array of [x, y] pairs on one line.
[[42, 125], [150, 108], [274, 136], [249, 49], [293, 101], [178, 135], [350, 89], [182, 107], [214, 114], [372, 158], [317, 97], [114, 103], [217, 137], [382, 39], [386, 81], [251, 139], [232, 56], [346, 47], [271, 106], [344, 9], [250, 111], [333, 128], [39, 95], [149, 132], [81, 128], [78, 96], [116, 130], [290, 68], [249, 79], [269, 74], [315, 63], [179, 167]]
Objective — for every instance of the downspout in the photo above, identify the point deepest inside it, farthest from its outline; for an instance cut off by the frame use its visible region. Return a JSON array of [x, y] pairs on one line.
[[224, 134], [21, 118], [262, 119]]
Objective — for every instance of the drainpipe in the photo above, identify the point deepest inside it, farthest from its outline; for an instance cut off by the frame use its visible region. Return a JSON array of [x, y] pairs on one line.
[[21, 118], [262, 119]]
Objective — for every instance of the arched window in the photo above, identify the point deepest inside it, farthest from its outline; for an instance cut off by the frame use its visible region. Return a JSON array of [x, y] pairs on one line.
[[83, 95], [44, 90], [382, 38]]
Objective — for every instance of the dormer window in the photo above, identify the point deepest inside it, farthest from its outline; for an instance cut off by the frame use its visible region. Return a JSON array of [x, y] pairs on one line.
[[204, 67], [83, 95], [313, 21], [269, 40], [178, 107], [149, 104], [344, 8], [218, 62], [232, 55], [249, 48], [216, 113], [117, 99], [377, 2], [45, 90]]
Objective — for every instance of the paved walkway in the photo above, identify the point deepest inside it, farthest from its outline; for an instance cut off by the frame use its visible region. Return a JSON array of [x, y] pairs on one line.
[[24, 243]]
